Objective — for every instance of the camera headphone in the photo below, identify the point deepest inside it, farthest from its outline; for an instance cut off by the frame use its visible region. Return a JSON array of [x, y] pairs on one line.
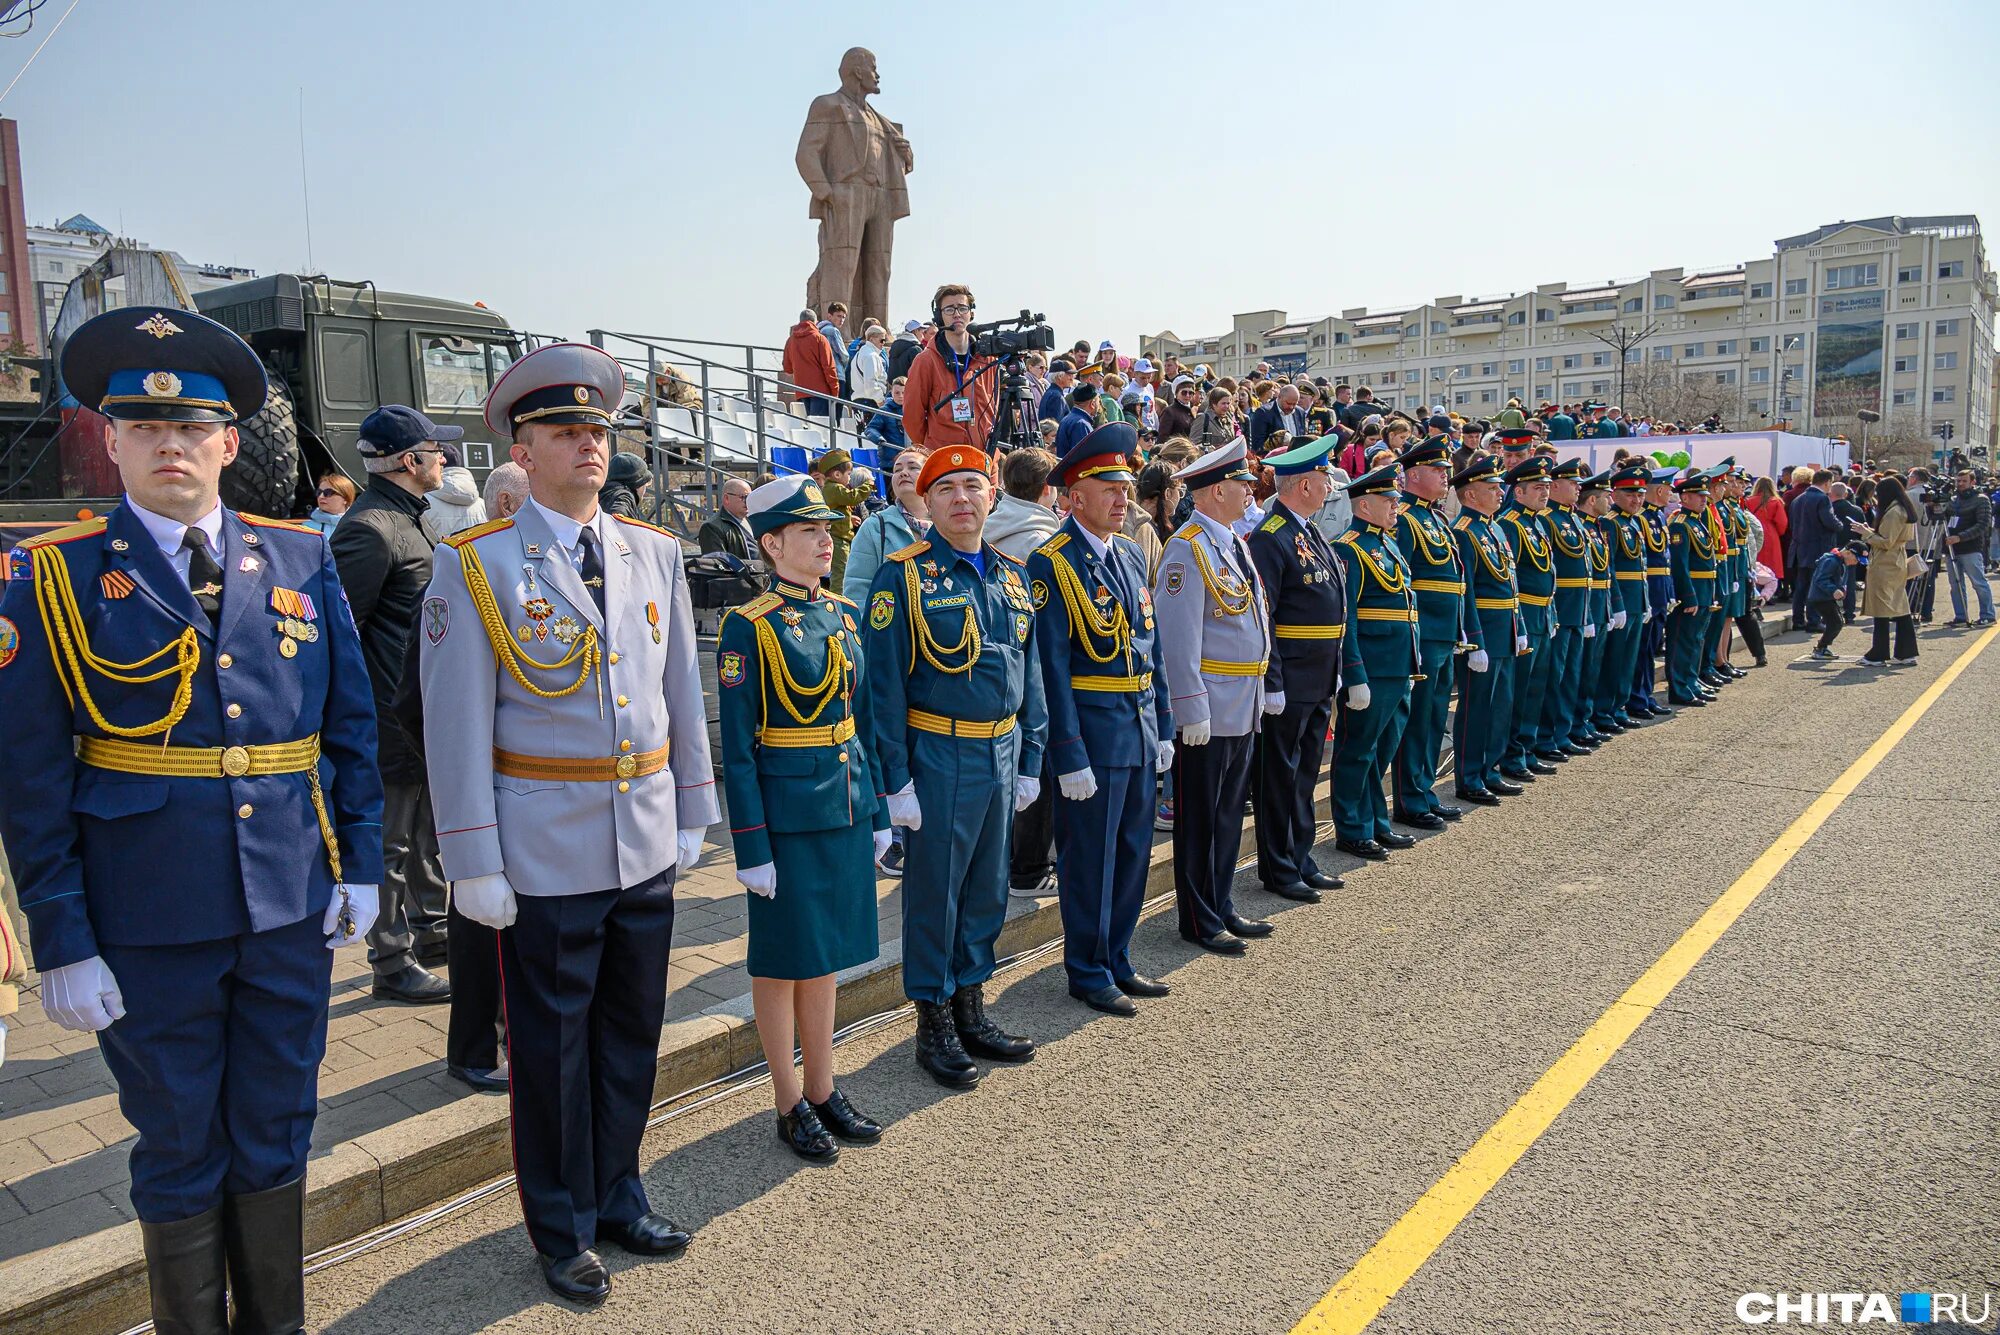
[[937, 307]]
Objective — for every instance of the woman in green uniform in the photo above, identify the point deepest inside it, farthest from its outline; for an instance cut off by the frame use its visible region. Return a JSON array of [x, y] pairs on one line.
[[803, 783]]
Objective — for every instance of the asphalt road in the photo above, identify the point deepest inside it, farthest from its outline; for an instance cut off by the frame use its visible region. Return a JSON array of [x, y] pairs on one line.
[[1813, 1108]]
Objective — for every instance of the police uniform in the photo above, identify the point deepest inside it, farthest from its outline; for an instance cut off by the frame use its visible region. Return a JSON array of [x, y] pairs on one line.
[[1105, 686], [959, 724], [1215, 641], [569, 769], [1569, 547], [191, 802], [1659, 602], [1692, 552], [1588, 726], [1535, 582], [1305, 590], [1437, 578], [1625, 537], [1483, 723], [1382, 608]]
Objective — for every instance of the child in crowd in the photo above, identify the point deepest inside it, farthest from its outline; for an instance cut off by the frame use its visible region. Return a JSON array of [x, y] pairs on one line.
[[1827, 592]]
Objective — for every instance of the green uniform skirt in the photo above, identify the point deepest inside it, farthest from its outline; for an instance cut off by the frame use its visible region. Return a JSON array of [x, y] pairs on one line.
[[824, 917]]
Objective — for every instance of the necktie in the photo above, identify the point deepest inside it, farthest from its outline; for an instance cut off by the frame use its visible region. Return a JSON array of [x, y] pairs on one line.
[[204, 575], [593, 566]]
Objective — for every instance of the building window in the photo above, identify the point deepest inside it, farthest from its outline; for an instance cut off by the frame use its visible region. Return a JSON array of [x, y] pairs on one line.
[[1795, 287], [1851, 275], [1635, 354], [1725, 347], [1517, 317], [1760, 345], [1489, 368], [1545, 363], [1387, 400], [1910, 273], [1515, 366], [1947, 329], [1600, 359], [1606, 304], [1571, 362], [1725, 377], [1411, 377], [1634, 304], [1760, 406], [1663, 301], [1952, 269], [1945, 361], [1514, 392], [1463, 397], [1726, 290], [1543, 315], [1339, 338], [1663, 354], [1792, 343], [1906, 331], [1412, 330], [1902, 397], [1760, 375], [1795, 372], [1437, 373], [1943, 394], [1600, 387], [1759, 291], [1571, 388], [1695, 350], [1319, 340], [1464, 370], [1488, 396], [1541, 391]]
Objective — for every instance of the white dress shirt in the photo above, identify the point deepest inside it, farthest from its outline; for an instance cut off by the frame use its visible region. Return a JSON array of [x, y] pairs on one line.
[[568, 532], [168, 533]]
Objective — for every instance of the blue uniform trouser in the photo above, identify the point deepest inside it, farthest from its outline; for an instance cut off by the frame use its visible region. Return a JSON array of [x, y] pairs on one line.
[[1103, 846], [1211, 782], [584, 978], [1711, 638], [1589, 669], [955, 867], [1565, 667], [1614, 683], [1364, 746], [217, 1063], [1416, 764], [1531, 682], [1686, 631], [1485, 715], [1289, 750]]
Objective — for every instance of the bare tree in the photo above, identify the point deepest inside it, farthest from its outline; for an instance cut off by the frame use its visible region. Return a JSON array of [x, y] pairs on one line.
[[1622, 339], [1666, 393]]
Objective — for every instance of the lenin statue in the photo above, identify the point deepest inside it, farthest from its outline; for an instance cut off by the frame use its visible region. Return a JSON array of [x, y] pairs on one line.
[[853, 160]]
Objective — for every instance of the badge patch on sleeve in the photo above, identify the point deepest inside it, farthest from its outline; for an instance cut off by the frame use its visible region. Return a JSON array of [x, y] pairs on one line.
[[10, 642], [437, 619], [882, 609], [1040, 594], [730, 669], [1175, 573], [20, 565]]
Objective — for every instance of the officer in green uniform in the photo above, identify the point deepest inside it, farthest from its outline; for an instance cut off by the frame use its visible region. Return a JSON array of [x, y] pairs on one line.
[[1732, 532], [1525, 524], [1593, 499], [806, 808], [1556, 738], [1438, 578], [1382, 609], [1692, 555], [1625, 534], [1484, 720]]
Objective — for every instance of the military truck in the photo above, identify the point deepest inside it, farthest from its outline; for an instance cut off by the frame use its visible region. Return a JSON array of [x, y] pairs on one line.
[[335, 350]]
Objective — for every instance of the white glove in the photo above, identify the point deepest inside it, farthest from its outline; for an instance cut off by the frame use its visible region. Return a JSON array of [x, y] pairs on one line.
[[1520, 644], [3, 1042], [1274, 702], [1165, 760], [1477, 660], [688, 843], [883, 838], [762, 880], [1079, 786], [1358, 696], [1618, 620], [488, 900], [1195, 734], [1589, 631], [1026, 789], [903, 808], [83, 997], [363, 903]]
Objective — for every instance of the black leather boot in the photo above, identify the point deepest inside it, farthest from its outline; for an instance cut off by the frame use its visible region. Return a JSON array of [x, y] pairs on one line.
[[979, 1034], [266, 1236], [938, 1049], [185, 1270]]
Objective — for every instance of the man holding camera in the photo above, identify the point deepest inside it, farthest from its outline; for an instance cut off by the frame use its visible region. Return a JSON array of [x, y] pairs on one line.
[[950, 398], [1968, 523]]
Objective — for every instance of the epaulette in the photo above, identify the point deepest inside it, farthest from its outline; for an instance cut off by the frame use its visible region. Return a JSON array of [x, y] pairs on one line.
[[1272, 525], [641, 523], [1009, 556], [761, 604], [1190, 531], [464, 536], [260, 521], [905, 553], [1350, 539], [831, 596], [86, 528], [1053, 545], [1463, 523]]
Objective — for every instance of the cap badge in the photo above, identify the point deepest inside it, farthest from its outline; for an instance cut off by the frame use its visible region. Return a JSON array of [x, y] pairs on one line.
[[158, 325], [163, 384], [957, 458], [582, 394]]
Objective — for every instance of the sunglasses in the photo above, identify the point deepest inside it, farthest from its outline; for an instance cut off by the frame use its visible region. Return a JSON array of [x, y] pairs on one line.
[[327, 491]]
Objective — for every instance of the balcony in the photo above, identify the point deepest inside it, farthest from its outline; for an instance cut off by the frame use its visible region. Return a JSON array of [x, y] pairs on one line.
[[1376, 338]]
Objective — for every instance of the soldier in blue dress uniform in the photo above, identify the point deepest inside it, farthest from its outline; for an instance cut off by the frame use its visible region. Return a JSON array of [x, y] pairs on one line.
[[1483, 722], [203, 692], [959, 728], [1109, 722], [1525, 525], [1382, 608], [1691, 548], [808, 813], [1625, 536], [1659, 596], [1437, 576], [1558, 738], [1305, 589], [1593, 500]]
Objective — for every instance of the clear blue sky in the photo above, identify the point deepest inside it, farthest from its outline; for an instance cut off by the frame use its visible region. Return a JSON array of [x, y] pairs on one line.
[[1126, 169]]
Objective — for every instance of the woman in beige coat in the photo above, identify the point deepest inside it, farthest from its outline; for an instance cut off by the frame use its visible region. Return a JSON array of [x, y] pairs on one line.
[[1887, 594]]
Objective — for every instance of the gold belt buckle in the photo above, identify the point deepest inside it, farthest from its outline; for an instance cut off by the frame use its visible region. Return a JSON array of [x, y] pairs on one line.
[[236, 762], [627, 766]]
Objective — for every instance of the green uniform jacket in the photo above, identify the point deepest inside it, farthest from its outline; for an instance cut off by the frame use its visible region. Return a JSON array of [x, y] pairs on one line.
[[1381, 608], [1534, 564], [1571, 546], [1437, 574], [1691, 555]]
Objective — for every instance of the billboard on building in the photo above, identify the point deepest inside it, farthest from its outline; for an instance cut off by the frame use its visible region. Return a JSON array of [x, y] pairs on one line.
[[1288, 363], [1847, 361]]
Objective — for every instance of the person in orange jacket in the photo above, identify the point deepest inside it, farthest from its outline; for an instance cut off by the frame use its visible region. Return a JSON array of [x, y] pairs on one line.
[[950, 398]]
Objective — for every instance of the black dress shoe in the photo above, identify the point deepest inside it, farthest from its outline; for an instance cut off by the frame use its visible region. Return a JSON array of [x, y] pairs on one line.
[[1502, 788], [581, 1278], [979, 1035], [1390, 839], [1688, 702], [805, 1135], [1138, 985], [486, 1082], [1445, 812], [1320, 880], [412, 983], [649, 1235], [1577, 749], [845, 1122], [1362, 848], [1555, 755], [1611, 727], [1479, 796], [1222, 943], [1297, 890], [1247, 928], [1107, 999], [1418, 820], [1519, 774], [1542, 768]]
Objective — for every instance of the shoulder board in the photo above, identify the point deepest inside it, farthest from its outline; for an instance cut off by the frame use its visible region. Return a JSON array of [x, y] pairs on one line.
[[1130, 545], [905, 553], [1350, 539], [259, 521], [69, 533], [1190, 531], [1402, 507], [1049, 548], [640, 523], [1464, 523], [1272, 525], [759, 605], [464, 536], [1005, 556], [833, 597]]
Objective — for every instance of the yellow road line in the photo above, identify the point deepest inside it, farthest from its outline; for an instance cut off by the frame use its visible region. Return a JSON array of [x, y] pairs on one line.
[[1364, 1290]]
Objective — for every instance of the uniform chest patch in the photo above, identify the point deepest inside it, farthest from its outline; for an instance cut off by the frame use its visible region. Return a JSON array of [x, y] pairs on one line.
[[10, 641], [1040, 595]]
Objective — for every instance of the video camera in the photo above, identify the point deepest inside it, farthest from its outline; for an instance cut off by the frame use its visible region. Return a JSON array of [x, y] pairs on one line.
[[1937, 492], [1010, 338]]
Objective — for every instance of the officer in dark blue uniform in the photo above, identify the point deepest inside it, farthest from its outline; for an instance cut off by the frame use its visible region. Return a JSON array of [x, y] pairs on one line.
[[182, 677], [1484, 719], [1438, 578], [1659, 597], [1383, 611], [1305, 588], [1109, 720], [1524, 522], [1555, 737]]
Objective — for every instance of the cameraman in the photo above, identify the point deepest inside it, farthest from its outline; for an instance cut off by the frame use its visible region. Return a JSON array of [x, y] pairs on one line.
[[951, 395], [1968, 523]]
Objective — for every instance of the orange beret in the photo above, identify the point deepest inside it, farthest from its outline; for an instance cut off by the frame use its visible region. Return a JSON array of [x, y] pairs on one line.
[[951, 459]]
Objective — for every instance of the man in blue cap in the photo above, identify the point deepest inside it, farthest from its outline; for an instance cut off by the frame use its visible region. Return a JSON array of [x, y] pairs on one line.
[[1305, 588], [1483, 722], [1556, 738], [1693, 554], [1437, 577], [1109, 721], [192, 809], [1524, 521], [1382, 609]]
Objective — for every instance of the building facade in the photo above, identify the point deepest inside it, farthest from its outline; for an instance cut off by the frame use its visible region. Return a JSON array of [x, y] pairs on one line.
[[1893, 315], [56, 255]]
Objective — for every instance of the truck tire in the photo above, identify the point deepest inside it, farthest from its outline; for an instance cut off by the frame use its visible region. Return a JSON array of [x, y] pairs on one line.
[[265, 475]]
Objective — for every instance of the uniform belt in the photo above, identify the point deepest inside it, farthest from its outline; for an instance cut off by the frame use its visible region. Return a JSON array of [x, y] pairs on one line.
[[1659, 570], [1572, 584], [1310, 632], [1113, 684], [1385, 614], [1639, 575], [579, 769], [1537, 600], [1495, 604], [925, 721], [1701, 574], [1599, 584], [1216, 667], [833, 735], [1438, 585]]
